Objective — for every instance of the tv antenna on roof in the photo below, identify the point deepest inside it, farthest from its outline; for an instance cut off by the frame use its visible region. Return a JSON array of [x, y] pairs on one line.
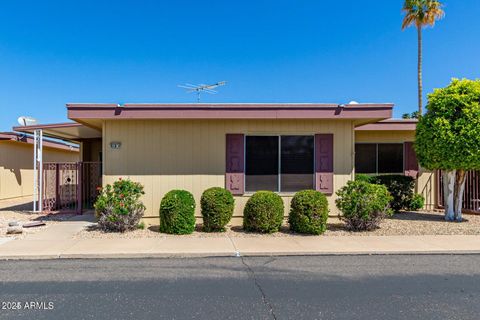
[[198, 89]]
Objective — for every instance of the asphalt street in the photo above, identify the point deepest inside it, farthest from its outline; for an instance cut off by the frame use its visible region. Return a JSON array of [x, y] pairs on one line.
[[310, 287]]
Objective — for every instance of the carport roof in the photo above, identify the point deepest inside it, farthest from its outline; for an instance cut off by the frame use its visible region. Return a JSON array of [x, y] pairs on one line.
[[71, 131], [18, 137]]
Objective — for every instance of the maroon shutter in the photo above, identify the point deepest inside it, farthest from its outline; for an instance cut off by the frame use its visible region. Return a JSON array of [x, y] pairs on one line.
[[235, 175], [324, 163], [410, 160]]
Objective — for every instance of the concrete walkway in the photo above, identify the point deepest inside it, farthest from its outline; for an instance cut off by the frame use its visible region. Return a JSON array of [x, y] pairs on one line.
[[57, 241]]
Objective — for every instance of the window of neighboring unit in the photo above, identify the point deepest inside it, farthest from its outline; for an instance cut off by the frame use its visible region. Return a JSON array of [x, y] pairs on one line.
[[390, 158], [282, 163], [365, 158], [379, 158]]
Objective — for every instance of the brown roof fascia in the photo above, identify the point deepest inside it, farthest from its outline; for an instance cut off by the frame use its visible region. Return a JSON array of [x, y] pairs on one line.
[[390, 125], [229, 111]]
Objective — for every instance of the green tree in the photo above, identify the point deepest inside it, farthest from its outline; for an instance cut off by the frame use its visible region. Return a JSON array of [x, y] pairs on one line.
[[413, 115], [448, 138], [421, 13]]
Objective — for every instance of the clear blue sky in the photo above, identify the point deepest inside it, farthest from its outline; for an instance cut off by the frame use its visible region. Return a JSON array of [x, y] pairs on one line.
[[54, 52]]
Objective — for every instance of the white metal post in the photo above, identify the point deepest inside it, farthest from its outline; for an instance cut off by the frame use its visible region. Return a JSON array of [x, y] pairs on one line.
[[40, 171], [37, 170]]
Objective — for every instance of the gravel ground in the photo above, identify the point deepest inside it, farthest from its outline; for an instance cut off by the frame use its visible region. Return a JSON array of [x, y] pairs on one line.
[[19, 210], [23, 217], [405, 223]]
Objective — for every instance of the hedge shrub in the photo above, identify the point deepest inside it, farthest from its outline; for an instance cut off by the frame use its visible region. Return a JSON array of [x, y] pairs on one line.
[[263, 212], [217, 208], [308, 212], [363, 205], [365, 177], [400, 187], [177, 212], [118, 206], [416, 203]]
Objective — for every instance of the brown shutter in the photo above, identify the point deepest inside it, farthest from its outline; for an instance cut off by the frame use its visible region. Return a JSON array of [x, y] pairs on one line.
[[235, 175], [324, 163], [410, 160]]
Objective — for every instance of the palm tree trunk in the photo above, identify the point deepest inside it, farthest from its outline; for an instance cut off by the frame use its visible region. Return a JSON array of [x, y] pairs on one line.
[[420, 86]]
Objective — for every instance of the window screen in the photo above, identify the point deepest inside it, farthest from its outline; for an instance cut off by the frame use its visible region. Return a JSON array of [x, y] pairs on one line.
[[261, 163], [390, 158], [296, 163], [366, 158], [265, 156]]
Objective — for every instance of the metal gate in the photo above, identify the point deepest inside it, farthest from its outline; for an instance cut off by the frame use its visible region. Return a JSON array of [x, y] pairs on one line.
[[471, 195], [70, 186]]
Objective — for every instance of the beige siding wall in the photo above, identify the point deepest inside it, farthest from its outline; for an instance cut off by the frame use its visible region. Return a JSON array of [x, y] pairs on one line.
[[426, 185], [190, 154], [16, 167], [384, 136]]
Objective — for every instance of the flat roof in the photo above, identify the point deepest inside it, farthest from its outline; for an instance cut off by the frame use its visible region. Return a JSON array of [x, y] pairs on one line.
[[71, 131], [390, 125], [21, 137], [83, 112]]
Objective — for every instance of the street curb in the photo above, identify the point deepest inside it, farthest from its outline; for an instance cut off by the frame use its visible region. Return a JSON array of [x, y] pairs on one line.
[[233, 254]]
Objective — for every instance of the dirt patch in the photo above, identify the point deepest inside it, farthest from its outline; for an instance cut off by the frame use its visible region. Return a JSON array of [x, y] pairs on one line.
[[405, 223], [23, 217]]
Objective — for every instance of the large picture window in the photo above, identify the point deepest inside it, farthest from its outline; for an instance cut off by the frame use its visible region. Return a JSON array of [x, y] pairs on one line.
[[379, 158], [279, 163]]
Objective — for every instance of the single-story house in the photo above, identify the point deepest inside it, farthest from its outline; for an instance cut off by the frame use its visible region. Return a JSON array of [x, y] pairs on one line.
[[385, 147], [16, 162], [242, 147]]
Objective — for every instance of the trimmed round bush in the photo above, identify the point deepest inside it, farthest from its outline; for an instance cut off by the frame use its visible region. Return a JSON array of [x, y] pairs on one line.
[[263, 212], [364, 205], [416, 203], [177, 212], [308, 212], [217, 208]]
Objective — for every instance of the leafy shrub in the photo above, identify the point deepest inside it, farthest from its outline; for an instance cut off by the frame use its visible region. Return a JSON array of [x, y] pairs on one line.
[[363, 205], [416, 203], [263, 212], [400, 187], [365, 177], [217, 208], [118, 206], [308, 212], [177, 212]]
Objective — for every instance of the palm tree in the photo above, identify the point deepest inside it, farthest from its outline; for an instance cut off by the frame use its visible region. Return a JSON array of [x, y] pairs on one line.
[[421, 13]]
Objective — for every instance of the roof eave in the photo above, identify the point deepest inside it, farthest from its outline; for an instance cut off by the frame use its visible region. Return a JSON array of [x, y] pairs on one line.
[[372, 111]]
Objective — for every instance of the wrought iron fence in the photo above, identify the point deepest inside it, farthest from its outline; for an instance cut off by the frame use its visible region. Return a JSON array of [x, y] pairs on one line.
[[70, 186]]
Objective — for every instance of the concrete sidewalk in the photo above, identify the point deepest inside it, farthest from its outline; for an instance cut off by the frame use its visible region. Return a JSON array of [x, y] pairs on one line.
[[58, 241]]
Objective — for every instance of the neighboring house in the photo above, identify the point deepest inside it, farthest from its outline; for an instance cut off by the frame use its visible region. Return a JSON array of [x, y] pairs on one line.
[[386, 147], [16, 162]]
